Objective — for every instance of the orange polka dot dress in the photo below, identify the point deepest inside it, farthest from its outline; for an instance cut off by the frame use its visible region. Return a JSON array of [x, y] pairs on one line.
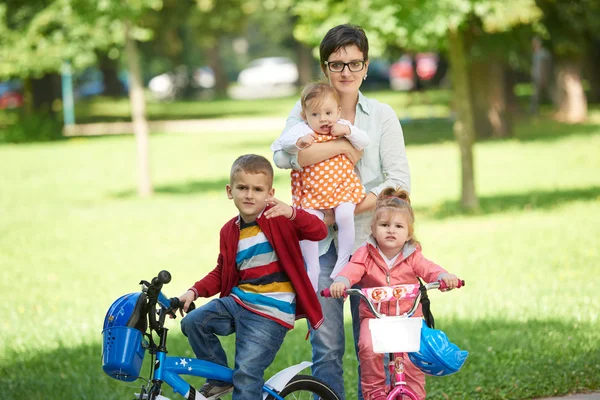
[[326, 184]]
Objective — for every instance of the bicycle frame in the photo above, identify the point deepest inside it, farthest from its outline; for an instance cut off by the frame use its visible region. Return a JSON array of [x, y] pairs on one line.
[[167, 369], [397, 387]]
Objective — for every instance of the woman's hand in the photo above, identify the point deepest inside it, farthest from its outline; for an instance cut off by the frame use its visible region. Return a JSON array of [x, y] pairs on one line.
[[366, 204], [337, 290], [351, 152]]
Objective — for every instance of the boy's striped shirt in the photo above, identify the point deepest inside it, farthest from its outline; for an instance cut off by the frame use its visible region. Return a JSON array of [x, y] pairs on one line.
[[263, 287]]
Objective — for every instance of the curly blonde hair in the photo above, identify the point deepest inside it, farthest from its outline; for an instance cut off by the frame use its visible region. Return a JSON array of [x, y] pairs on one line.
[[393, 200]]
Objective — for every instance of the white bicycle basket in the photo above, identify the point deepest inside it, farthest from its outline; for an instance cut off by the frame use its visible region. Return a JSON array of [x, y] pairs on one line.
[[395, 334]]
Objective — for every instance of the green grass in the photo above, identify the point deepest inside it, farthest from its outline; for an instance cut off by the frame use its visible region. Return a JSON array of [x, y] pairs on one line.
[[74, 237], [104, 109]]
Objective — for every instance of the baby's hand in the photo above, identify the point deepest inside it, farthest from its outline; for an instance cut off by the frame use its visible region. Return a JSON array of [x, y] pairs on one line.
[[337, 289], [450, 280], [279, 208], [340, 130], [305, 141]]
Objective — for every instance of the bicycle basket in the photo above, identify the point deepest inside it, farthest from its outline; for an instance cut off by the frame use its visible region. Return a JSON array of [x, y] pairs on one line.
[[437, 356], [395, 334], [122, 351]]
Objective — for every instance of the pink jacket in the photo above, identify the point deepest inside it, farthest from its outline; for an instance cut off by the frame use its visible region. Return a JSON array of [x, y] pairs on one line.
[[368, 268]]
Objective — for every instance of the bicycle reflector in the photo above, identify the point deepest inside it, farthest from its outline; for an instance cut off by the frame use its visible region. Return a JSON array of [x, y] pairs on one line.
[[437, 355], [122, 351]]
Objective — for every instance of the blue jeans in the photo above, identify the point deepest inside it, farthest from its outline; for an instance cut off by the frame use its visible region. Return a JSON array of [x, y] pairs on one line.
[[257, 341], [328, 342]]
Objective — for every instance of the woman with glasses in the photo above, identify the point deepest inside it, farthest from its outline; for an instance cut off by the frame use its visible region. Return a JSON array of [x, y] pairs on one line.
[[344, 57]]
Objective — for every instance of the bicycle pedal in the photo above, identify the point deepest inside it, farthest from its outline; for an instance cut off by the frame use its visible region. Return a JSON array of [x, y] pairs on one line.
[[145, 396]]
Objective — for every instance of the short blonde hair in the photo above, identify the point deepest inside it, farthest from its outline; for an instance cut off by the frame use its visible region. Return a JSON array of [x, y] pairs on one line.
[[316, 93], [251, 164]]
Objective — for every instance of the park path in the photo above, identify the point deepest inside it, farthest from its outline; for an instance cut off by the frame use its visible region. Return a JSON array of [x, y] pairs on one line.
[[582, 396], [211, 125]]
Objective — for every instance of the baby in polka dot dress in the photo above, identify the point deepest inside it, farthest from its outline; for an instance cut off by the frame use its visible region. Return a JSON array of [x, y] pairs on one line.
[[329, 184]]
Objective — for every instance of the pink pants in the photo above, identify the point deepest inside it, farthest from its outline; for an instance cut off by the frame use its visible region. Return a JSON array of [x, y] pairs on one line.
[[372, 373]]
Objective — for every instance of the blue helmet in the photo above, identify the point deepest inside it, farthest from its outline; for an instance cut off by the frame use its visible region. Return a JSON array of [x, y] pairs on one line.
[[123, 341], [437, 355]]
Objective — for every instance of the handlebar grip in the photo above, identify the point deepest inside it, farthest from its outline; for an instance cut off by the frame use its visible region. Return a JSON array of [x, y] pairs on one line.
[[164, 277], [443, 285], [176, 304], [326, 292]]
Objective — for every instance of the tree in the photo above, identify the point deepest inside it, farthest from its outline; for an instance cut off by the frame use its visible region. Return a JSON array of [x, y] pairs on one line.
[[424, 24], [35, 40], [211, 21], [573, 29]]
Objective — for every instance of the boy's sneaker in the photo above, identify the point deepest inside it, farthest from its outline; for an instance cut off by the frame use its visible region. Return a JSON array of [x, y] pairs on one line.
[[212, 392]]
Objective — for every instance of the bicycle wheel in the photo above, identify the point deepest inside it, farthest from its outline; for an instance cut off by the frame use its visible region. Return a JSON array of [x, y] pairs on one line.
[[305, 387]]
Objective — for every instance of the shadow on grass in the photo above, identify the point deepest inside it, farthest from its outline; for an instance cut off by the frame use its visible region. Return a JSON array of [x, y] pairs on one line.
[[513, 360], [546, 129], [507, 360], [534, 200], [193, 187]]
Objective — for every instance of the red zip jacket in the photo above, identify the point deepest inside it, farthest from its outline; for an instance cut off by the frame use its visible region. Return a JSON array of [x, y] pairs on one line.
[[284, 235]]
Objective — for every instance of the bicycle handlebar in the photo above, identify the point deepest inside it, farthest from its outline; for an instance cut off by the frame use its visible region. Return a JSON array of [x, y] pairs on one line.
[[441, 285], [155, 295]]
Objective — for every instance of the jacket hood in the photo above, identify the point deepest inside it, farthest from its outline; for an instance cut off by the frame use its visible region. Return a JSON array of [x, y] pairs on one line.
[[408, 248]]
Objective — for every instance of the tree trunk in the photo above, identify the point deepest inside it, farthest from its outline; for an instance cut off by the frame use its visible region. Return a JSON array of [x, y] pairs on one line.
[[479, 82], [138, 114], [44, 92], [572, 103], [513, 107], [214, 60], [110, 73], [488, 95], [498, 115], [464, 127], [592, 72], [305, 64]]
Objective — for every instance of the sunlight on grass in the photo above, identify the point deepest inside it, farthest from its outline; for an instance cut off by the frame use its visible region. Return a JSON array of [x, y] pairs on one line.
[[75, 237]]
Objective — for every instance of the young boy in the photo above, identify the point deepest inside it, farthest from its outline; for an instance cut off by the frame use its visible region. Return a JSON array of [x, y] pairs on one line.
[[261, 279]]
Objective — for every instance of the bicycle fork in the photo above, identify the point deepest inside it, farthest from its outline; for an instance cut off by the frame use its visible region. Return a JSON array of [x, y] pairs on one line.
[[398, 385]]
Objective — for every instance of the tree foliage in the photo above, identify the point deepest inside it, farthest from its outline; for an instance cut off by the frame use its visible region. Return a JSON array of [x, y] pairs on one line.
[[37, 37]]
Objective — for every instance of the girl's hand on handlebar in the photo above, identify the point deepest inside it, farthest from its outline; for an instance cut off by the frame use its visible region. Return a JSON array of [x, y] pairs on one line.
[[337, 290], [450, 280], [187, 299]]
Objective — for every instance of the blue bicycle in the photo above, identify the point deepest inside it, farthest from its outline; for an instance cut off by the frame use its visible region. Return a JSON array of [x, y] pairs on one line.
[[128, 333]]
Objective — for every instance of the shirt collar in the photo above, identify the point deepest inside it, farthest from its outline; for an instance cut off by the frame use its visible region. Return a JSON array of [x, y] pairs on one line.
[[363, 102], [238, 221]]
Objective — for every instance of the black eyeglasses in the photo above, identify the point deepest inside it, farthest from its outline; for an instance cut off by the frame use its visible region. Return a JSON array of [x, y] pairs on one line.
[[338, 66]]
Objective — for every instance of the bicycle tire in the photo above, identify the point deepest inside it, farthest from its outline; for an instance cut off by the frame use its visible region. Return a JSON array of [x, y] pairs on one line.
[[305, 387]]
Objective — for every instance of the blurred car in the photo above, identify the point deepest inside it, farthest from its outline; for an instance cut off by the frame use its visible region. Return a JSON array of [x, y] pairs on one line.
[[378, 75], [269, 71], [89, 83], [11, 95], [410, 72], [181, 83]]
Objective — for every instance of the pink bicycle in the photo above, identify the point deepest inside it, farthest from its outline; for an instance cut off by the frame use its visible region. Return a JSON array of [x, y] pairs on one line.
[[428, 349]]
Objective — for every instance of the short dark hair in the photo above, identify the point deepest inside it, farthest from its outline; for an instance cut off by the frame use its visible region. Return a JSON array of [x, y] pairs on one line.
[[251, 164], [342, 36]]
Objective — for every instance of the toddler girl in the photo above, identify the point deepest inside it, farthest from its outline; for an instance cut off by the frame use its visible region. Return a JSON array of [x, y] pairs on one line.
[[391, 256], [329, 184]]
